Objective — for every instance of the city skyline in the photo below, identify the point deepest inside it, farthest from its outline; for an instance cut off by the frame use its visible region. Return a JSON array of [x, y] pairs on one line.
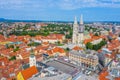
[[60, 10]]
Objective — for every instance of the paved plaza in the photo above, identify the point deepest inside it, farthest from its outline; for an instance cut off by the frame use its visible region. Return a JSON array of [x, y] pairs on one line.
[[66, 68]]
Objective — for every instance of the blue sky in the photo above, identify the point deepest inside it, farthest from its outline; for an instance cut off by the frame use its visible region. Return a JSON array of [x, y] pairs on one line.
[[63, 10]]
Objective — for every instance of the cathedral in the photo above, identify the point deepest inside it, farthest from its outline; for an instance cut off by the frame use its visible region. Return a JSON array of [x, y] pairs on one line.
[[79, 34]]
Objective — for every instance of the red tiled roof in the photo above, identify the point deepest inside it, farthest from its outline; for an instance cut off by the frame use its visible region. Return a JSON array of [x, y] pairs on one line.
[[2, 38], [113, 45], [117, 78], [38, 37], [25, 55], [93, 38], [77, 48], [53, 37], [45, 43], [49, 52], [57, 49], [29, 72], [103, 75]]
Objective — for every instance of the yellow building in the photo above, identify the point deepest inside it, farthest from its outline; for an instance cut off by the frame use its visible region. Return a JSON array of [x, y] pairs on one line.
[[20, 76]]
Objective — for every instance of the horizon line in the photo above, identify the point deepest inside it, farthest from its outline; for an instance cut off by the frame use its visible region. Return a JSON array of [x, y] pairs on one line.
[[29, 20]]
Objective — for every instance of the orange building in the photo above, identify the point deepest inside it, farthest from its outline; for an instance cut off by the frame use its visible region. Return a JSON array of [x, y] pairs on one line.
[[27, 73]]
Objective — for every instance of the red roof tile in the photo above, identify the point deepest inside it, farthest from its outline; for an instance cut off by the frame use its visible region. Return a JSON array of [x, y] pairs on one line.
[[77, 48], [29, 72], [117, 78], [57, 49]]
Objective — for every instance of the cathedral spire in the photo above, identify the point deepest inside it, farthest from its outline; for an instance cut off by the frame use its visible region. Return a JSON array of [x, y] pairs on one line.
[[81, 20], [75, 21]]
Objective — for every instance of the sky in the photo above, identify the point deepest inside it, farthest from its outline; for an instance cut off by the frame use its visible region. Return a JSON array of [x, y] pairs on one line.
[[60, 10]]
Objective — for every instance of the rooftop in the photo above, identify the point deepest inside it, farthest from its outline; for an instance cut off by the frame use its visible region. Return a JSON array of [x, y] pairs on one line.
[[29, 72], [89, 54]]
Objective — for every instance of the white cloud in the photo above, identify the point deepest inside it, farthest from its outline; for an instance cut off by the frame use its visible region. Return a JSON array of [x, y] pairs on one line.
[[12, 4], [74, 4], [60, 4], [20, 4]]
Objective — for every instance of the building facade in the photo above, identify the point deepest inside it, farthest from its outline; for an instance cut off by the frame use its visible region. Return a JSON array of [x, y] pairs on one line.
[[87, 60]]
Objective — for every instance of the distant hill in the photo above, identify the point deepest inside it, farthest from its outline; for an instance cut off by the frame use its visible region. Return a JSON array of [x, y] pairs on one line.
[[2, 19], [11, 20]]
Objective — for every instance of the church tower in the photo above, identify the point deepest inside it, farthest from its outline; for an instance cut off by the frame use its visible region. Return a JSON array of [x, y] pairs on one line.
[[78, 31], [32, 59], [81, 30], [75, 31]]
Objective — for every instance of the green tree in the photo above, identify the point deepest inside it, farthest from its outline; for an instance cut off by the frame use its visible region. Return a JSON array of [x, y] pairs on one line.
[[16, 49], [67, 49], [96, 47], [89, 45], [13, 58], [96, 34], [34, 44], [68, 36]]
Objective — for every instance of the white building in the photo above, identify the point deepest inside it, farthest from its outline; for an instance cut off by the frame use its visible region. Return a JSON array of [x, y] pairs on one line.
[[32, 59], [96, 41]]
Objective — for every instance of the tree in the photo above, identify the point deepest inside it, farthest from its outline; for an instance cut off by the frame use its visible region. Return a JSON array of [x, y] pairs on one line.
[[96, 46], [89, 45], [6, 46], [11, 46], [58, 42], [67, 49], [16, 49], [34, 44], [13, 58], [96, 34], [68, 36]]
